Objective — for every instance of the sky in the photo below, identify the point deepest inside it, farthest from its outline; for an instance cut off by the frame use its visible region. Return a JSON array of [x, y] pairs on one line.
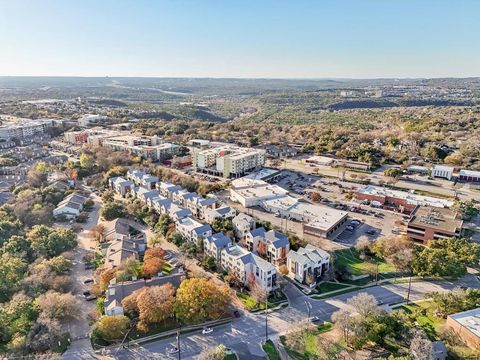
[[240, 38]]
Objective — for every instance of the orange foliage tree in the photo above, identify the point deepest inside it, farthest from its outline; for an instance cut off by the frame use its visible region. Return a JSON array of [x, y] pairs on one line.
[[153, 261]]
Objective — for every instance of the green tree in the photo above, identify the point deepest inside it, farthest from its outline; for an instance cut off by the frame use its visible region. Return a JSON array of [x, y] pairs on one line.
[[111, 328], [49, 242], [12, 272], [111, 211]]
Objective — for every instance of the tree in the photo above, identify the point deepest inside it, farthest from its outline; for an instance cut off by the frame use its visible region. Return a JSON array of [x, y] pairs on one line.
[[421, 348], [19, 246], [12, 271], [153, 261], [50, 242], [112, 211], [86, 161], [365, 304], [344, 321], [155, 304], [201, 299], [58, 306], [129, 269], [215, 353], [111, 327]]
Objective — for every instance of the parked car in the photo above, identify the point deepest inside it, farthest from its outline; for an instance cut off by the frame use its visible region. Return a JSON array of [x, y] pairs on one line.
[[88, 281], [172, 350], [91, 297], [86, 293], [370, 232], [236, 313], [314, 319], [207, 330]]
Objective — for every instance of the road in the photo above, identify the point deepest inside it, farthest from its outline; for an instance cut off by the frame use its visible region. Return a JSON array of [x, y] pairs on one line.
[[79, 328], [245, 335]]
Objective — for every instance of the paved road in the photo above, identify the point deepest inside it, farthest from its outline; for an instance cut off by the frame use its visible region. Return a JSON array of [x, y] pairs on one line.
[[246, 334]]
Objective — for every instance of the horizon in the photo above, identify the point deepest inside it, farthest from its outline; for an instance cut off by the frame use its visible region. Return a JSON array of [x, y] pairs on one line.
[[348, 39]]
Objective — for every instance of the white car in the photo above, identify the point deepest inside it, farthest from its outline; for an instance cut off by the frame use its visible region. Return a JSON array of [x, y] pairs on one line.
[[206, 331], [172, 350]]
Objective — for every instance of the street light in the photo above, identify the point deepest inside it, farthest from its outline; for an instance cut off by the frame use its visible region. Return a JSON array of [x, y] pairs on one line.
[[266, 317]]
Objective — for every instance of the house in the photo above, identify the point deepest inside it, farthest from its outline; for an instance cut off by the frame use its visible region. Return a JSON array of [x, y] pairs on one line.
[[242, 224], [213, 245], [121, 186], [181, 197], [193, 230], [308, 264], [225, 212], [197, 205], [271, 245], [143, 193], [70, 207], [149, 181], [120, 250], [249, 268], [136, 176], [444, 172], [168, 189], [119, 229], [116, 292], [177, 212]]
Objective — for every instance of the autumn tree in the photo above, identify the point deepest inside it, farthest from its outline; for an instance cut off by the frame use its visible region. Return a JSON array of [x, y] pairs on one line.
[[55, 305], [201, 299], [153, 261], [111, 327], [155, 304], [215, 353], [365, 304]]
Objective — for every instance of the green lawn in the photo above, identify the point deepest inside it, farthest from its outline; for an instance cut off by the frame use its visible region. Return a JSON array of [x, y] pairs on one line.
[[230, 357], [167, 269], [347, 290], [330, 286], [356, 266], [426, 317], [252, 305], [271, 350]]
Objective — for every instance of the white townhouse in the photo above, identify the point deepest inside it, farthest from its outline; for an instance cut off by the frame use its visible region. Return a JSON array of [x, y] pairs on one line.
[[70, 207], [249, 268], [308, 262], [271, 245], [121, 186], [193, 230], [225, 212], [213, 245], [242, 224], [168, 189]]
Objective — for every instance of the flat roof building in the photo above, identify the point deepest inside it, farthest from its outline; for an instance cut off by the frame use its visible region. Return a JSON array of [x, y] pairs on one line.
[[466, 325], [431, 223], [469, 176]]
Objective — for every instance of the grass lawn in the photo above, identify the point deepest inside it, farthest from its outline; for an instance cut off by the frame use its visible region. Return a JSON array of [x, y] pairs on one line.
[[271, 350], [347, 290], [252, 305], [356, 266], [330, 286], [426, 318], [167, 269], [230, 357]]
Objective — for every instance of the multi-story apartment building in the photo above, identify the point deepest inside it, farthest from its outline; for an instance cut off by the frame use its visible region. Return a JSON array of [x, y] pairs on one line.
[[229, 161], [271, 245], [148, 147], [192, 229], [24, 128], [249, 268], [308, 264]]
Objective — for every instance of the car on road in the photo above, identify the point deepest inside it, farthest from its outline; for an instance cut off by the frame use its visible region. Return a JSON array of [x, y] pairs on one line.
[[370, 232], [207, 330], [88, 281], [86, 293], [236, 313], [89, 266], [314, 319], [172, 350], [90, 297], [379, 302]]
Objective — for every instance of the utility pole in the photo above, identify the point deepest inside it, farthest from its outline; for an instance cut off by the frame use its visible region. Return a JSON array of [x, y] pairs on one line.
[[409, 288], [178, 341], [266, 316]]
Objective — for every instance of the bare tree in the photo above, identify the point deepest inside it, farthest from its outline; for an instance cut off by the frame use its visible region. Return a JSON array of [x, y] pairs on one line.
[[421, 348], [344, 321], [365, 304], [215, 353]]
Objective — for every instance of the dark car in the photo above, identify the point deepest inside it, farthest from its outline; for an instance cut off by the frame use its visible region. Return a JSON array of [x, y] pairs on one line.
[[236, 313], [91, 297], [86, 293], [88, 281]]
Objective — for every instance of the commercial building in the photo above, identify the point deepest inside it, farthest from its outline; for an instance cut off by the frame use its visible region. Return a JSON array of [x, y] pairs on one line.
[[24, 128], [89, 119], [252, 192], [466, 325], [444, 172], [249, 268], [320, 160], [308, 264], [401, 200], [431, 223], [469, 176], [229, 161], [277, 151]]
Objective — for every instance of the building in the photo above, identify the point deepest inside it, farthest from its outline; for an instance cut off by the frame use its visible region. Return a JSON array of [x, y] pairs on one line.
[[229, 161], [198, 205], [76, 137], [466, 326], [24, 128], [395, 199], [444, 172], [213, 245], [116, 292], [417, 169], [148, 147], [271, 245], [253, 192], [224, 212], [243, 224], [320, 160], [249, 268], [469, 176], [89, 119], [431, 223], [276, 151], [308, 264], [192, 229], [355, 165], [120, 250], [70, 207], [122, 186]]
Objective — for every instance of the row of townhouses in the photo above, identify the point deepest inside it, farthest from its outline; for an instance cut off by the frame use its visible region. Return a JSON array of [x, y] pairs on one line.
[[265, 250]]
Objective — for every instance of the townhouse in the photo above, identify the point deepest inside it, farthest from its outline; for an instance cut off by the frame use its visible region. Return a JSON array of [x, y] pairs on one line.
[[121, 185], [308, 264], [270, 245], [224, 212], [213, 245], [243, 224], [192, 229], [70, 207]]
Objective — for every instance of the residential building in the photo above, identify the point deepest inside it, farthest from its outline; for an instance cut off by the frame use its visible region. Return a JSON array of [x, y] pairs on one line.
[[249, 268], [229, 161], [308, 264], [242, 224], [24, 128], [181, 197], [224, 212], [466, 325], [116, 292], [122, 186], [398, 200], [70, 207], [148, 147], [168, 189], [469, 176], [193, 230], [213, 245], [440, 171], [271, 245], [431, 223], [89, 119], [76, 137], [120, 250], [198, 205]]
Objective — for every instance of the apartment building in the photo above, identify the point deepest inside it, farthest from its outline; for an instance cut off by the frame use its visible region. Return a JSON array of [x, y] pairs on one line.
[[271, 245], [229, 161], [431, 223], [249, 268], [213, 245], [308, 264], [148, 147], [121, 185], [243, 224], [70, 207], [24, 128], [224, 212]]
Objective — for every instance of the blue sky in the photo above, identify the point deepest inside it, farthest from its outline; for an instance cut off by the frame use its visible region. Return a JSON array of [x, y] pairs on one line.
[[241, 38]]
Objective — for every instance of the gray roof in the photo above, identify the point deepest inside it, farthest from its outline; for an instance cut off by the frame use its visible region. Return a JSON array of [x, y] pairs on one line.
[[201, 229], [219, 239], [258, 232]]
